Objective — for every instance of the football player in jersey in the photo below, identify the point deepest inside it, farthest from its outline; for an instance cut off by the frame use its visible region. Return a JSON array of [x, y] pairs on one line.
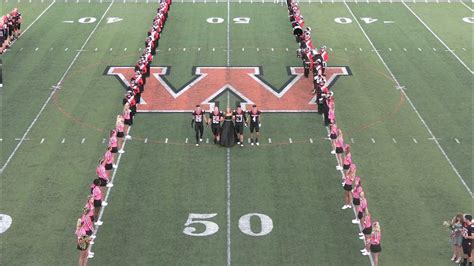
[[197, 123], [215, 119], [240, 118], [255, 123]]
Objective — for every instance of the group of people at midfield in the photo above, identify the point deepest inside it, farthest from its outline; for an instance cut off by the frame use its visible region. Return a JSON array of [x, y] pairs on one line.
[[85, 229], [228, 127], [354, 196], [10, 29]]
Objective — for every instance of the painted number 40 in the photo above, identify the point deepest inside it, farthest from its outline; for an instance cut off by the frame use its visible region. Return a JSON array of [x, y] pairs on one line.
[[210, 228], [237, 20]]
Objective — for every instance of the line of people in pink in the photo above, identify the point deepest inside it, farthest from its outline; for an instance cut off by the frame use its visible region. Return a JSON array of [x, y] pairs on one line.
[[354, 195], [89, 221]]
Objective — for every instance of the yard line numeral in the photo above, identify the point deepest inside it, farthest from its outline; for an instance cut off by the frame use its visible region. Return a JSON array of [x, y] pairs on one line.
[[266, 224], [468, 20], [344, 20], [237, 20], [87, 20], [210, 228], [113, 19]]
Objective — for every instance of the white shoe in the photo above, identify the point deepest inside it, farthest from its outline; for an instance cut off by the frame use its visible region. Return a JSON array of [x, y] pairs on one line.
[[91, 255], [104, 203], [200, 140], [121, 151], [241, 145], [258, 144], [363, 250], [251, 143], [355, 221], [349, 206], [365, 253], [109, 185], [93, 236], [338, 168], [345, 207], [238, 142], [98, 223], [197, 144], [333, 152], [114, 166], [361, 234], [361, 238], [128, 137], [92, 242]]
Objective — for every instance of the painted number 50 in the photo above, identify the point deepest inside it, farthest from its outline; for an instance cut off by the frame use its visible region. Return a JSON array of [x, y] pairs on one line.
[[210, 228]]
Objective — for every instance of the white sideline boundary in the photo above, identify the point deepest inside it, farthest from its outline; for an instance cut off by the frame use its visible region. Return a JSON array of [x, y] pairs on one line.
[[411, 103], [55, 88], [439, 39]]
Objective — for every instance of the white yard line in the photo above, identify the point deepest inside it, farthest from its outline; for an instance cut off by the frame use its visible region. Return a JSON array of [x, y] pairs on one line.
[[53, 91], [353, 207], [109, 189], [439, 39], [412, 105], [229, 243], [37, 18], [468, 7]]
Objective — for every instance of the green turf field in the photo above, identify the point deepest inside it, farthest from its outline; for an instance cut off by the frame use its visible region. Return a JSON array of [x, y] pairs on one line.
[[413, 150]]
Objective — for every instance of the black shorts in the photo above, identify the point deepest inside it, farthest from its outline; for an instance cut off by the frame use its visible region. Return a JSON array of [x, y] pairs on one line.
[[367, 231], [355, 201], [92, 218], [239, 128], [216, 129], [10, 30], [254, 127], [120, 134], [360, 215], [347, 187], [114, 150], [109, 166], [103, 182], [128, 122], [467, 249], [333, 136], [97, 203], [19, 26], [89, 233], [346, 166], [375, 248], [339, 150]]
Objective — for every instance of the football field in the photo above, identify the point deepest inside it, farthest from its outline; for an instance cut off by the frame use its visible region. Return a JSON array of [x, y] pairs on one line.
[[404, 97]]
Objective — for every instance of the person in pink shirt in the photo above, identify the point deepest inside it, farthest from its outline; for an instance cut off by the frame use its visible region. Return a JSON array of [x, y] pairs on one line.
[[348, 180], [366, 230], [333, 136], [120, 127], [356, 191], [374, 242], [113, 141], [339, 148], [347, 157], [90, 207], [103, 174], [83, 241], [96, 192], [331, 113], [127, 116], [109, 159], [362, 206]]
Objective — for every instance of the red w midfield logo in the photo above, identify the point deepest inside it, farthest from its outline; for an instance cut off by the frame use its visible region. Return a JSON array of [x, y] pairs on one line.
[[211, 82]]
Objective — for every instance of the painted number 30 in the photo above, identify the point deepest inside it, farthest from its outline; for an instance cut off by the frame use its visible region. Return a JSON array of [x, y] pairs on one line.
[[237, 20], [197, 220]]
